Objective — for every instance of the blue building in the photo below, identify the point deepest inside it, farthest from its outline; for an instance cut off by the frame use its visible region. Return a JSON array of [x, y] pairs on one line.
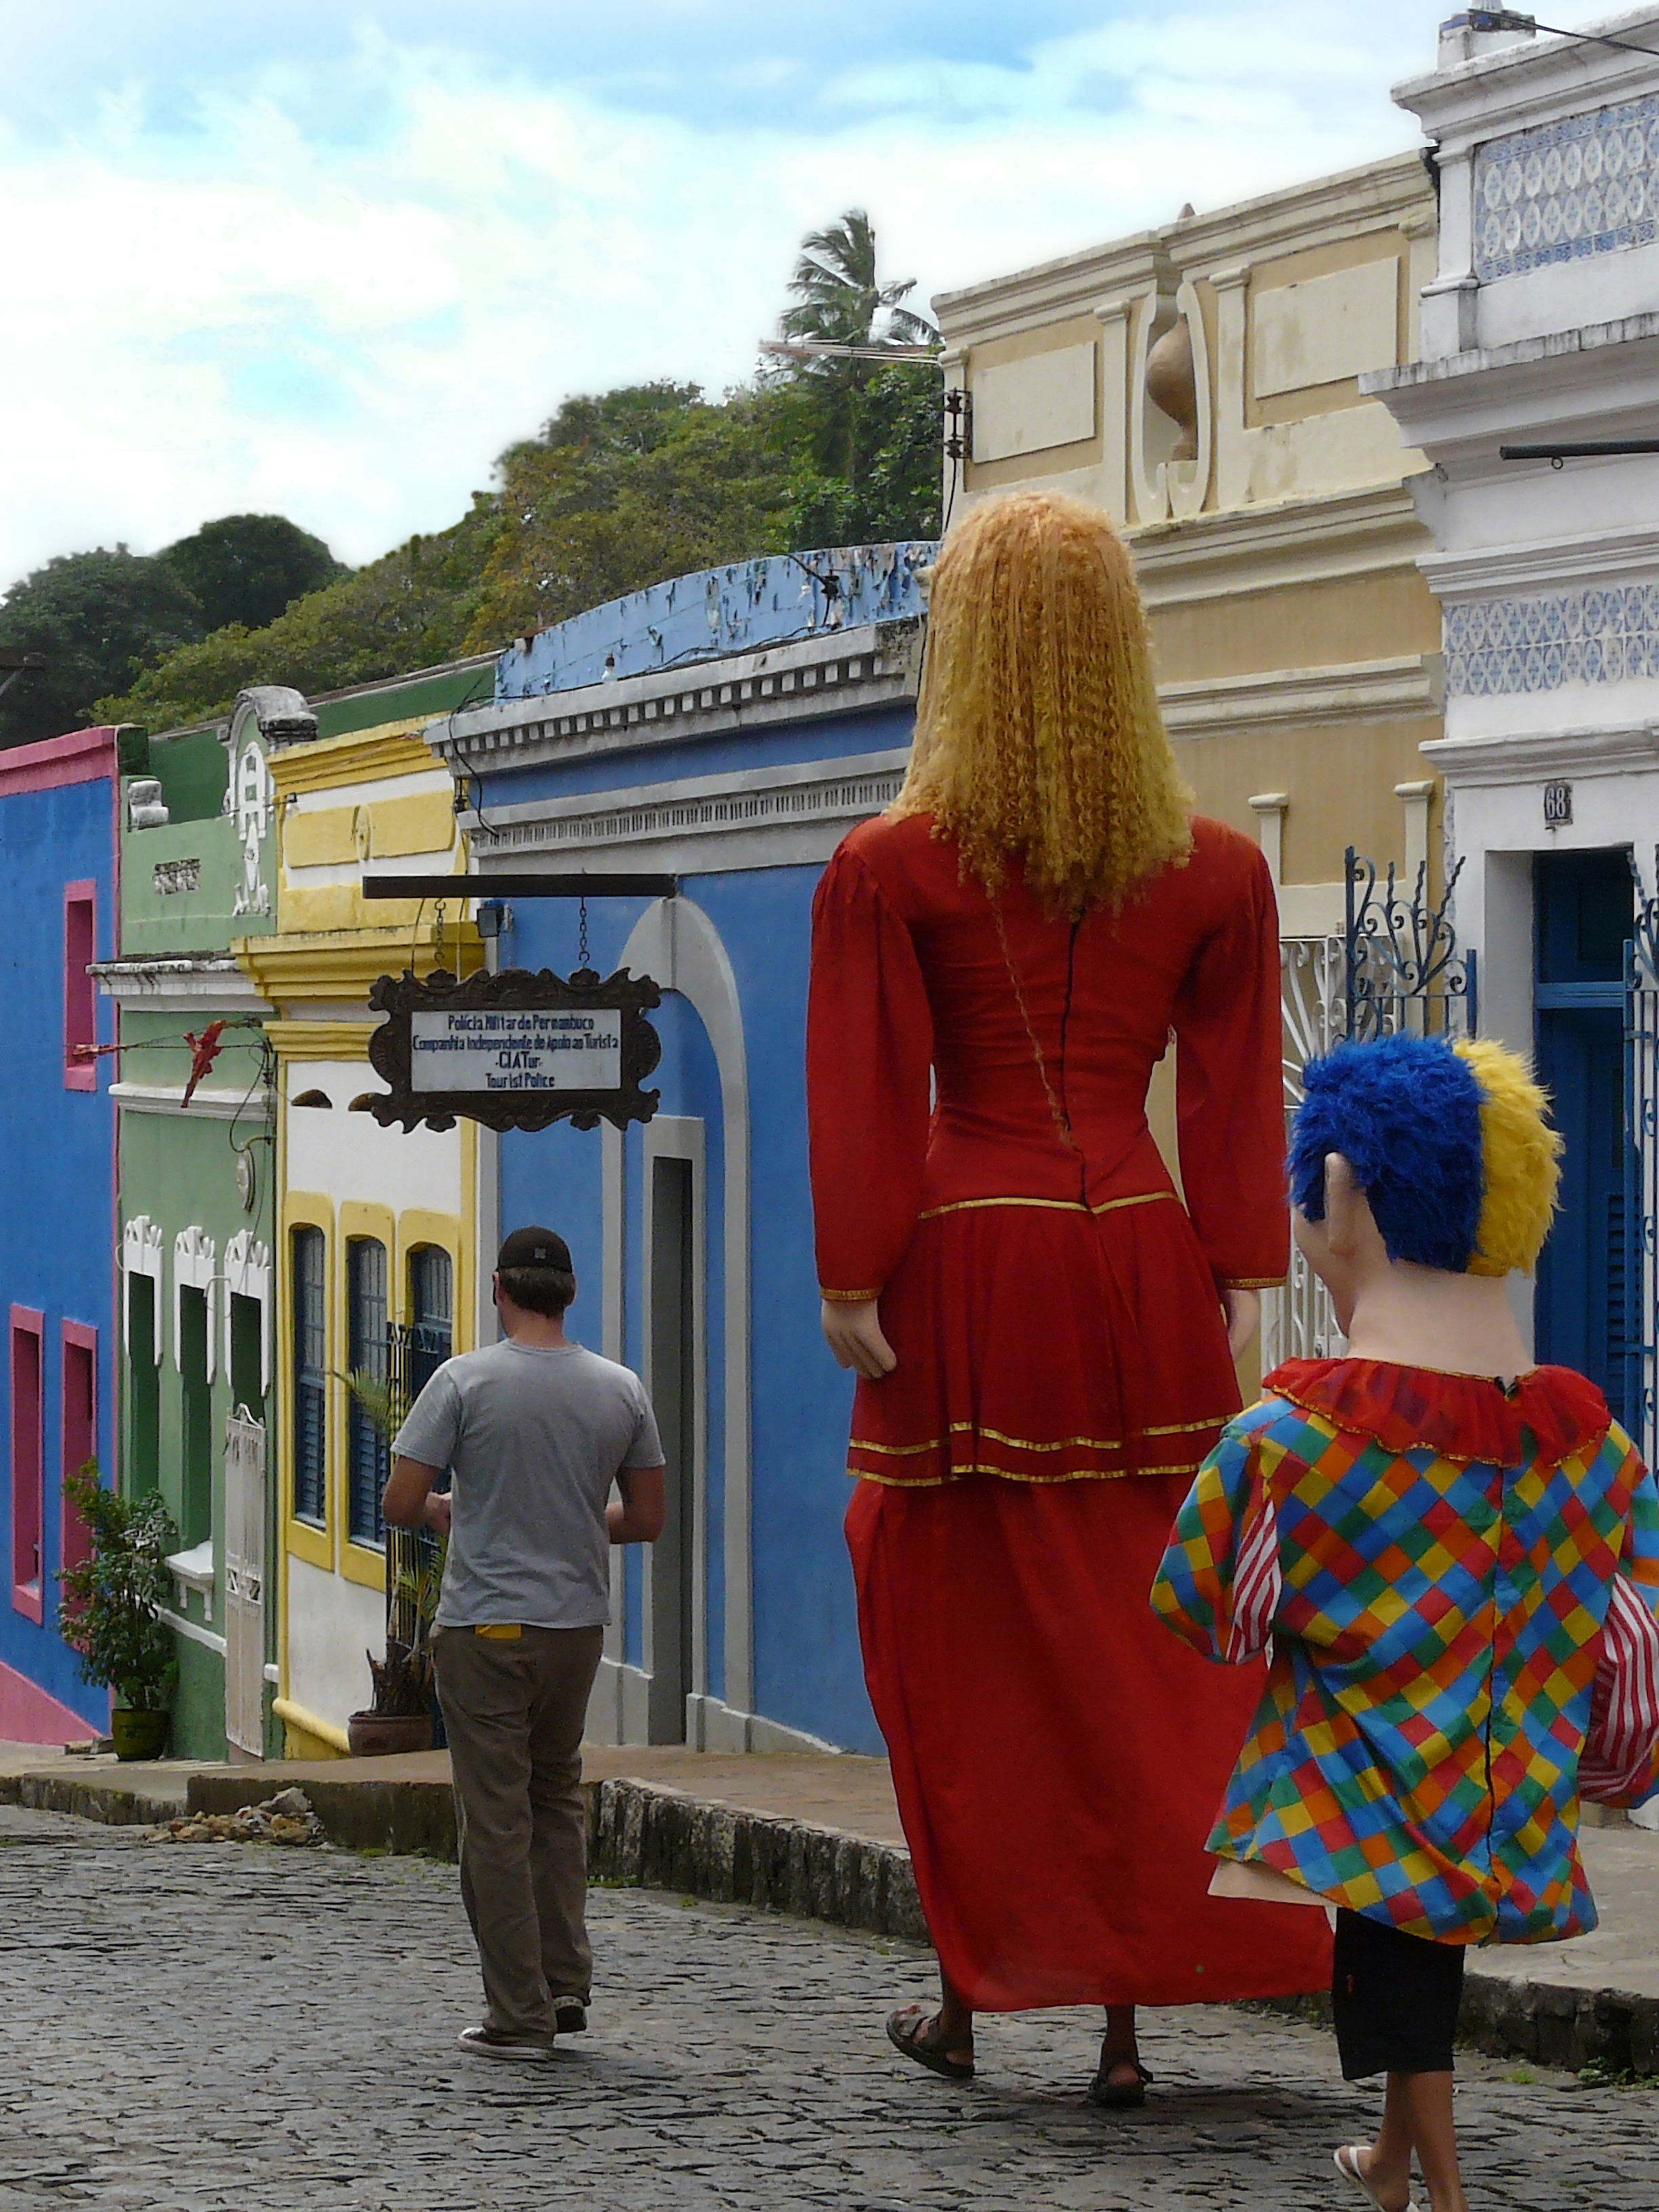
[[728, 728], [58, 1246]]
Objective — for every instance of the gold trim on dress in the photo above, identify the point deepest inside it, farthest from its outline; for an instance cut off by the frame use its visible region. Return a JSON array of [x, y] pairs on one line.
[[971, 1205], [1183, 1428], [996, 1435], [898, 1451], [847, 1297], [1054, 1204], [1005, 1475], [1252, 1282]]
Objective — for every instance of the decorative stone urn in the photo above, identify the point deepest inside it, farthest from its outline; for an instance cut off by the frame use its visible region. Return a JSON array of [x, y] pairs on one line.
[[1172, 386]]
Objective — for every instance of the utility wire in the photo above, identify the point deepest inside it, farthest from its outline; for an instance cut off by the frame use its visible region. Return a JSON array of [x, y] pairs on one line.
[[1506, 19]]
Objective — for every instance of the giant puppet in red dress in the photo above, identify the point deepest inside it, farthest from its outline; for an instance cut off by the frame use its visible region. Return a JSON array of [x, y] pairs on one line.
[[1037, 1317]]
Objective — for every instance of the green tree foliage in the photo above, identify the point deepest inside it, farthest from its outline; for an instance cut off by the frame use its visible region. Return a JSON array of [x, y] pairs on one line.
[[623, 490], [113, 1601], [410, 609], [896, 426], [248, 568], [840, 300], [99, 618]]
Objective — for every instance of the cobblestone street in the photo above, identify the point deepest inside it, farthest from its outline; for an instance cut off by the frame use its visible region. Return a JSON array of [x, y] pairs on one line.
[[272, 2031]]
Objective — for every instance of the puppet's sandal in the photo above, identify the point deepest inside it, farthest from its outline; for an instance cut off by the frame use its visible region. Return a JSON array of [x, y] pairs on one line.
[[1119, 2096], [915, 2032], [1347, 2164]]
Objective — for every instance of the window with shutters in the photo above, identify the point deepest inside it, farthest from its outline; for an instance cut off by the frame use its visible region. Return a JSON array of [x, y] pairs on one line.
[[368, 1460], [310, 1278], [27, 1462]]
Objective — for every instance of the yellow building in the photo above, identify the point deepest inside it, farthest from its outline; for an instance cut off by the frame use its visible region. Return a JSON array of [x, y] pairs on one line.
[[377, 1232], [1202, 382]]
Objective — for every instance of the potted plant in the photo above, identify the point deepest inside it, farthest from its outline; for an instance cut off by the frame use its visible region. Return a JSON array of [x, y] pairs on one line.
[[398, 1716], [113, 1606]]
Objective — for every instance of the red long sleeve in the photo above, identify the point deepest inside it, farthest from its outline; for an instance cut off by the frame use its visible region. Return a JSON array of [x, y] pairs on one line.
[[1230, 1089], [869, 1053]]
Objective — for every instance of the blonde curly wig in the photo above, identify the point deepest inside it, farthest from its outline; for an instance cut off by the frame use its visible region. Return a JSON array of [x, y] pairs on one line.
[[1038, 734]]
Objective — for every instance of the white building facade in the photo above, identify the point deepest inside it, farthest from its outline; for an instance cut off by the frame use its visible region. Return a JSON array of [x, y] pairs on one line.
[[1538, 328]]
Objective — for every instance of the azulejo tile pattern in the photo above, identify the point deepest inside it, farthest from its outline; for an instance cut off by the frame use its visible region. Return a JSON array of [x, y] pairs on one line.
[[1565, 190], [1606, 635]]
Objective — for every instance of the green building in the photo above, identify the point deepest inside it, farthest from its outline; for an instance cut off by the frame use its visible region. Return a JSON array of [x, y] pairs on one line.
[[196, 1169]]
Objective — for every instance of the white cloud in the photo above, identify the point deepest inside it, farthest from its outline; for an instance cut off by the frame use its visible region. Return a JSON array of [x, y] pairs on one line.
[[239, 308]]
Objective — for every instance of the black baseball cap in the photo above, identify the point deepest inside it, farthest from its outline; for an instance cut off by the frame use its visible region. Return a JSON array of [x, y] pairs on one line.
[[535, 1247]]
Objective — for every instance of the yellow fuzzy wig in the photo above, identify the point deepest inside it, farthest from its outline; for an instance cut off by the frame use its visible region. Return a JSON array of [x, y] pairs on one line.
[[1521, 1154], [1038, 734]]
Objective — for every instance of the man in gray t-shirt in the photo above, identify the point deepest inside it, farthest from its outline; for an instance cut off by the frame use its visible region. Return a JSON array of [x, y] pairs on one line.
[[535, 1431]]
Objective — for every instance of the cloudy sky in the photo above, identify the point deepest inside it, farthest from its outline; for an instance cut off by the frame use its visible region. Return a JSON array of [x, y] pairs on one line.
[[326, 257]]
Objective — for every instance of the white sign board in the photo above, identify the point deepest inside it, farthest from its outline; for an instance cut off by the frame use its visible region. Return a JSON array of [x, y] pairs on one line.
[[516, 1048]]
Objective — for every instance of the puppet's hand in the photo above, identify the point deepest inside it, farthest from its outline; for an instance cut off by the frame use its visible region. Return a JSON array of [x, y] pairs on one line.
[[1243, 1312], [852, 1329]]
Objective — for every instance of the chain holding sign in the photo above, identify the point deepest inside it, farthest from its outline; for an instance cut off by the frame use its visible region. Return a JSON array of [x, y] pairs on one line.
[[518, 1050]]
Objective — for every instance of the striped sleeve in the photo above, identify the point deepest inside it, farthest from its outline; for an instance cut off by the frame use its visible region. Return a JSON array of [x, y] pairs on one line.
[[1619, 1763], [1220, 1583]]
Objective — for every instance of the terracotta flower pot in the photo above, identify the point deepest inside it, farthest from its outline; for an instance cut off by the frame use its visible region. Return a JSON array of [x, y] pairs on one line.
[[375, 1735], [138, 1735]]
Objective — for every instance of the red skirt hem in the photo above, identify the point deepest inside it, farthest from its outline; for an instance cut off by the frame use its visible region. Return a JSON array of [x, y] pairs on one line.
[[1057, 1755]]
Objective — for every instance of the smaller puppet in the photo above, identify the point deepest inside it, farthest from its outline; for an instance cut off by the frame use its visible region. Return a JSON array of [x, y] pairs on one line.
[[1455, 1555]]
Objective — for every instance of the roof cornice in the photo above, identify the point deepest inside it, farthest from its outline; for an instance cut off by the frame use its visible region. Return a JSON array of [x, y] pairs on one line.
[[1522, 87], [1557, 382], [1324, 209], [837, 672], [359, 756]]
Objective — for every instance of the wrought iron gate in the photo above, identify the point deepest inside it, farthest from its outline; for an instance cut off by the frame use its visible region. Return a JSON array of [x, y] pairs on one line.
[[1395, 966], [246, 1507], [1642, 1171]]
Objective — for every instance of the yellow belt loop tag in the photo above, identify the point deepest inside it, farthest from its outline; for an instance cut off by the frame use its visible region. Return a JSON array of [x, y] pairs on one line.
[[505, 1631]]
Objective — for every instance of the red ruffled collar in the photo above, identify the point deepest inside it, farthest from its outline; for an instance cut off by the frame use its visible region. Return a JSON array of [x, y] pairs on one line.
[[1460, 1417]]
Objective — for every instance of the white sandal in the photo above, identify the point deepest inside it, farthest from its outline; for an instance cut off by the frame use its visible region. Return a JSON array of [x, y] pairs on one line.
[[1347, 2164]]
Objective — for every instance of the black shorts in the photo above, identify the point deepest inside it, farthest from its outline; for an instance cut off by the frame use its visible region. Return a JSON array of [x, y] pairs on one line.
[[1393, 1998]]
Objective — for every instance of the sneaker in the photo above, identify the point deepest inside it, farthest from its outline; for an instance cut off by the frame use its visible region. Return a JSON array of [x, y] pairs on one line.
[[569, 2016], [488, 2042]]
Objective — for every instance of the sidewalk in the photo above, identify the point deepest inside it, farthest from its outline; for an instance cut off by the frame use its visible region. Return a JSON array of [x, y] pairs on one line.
[[819, 1836]]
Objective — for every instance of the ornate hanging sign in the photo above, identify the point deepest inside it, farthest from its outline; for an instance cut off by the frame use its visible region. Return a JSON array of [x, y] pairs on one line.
[[517, 1050]]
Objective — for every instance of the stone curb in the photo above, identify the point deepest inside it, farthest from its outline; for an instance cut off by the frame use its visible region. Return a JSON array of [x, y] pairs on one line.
[[665, 1839], [638, 1833], [643, 1833], [113, 1806]]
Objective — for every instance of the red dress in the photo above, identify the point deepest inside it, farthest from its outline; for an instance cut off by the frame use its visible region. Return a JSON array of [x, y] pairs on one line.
[[1058, 1757]]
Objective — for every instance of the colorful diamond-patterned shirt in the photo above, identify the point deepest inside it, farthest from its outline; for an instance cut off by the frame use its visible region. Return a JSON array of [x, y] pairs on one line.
[[1460, 1584]]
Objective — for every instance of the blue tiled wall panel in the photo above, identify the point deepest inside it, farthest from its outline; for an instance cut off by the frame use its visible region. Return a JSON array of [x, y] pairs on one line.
[[1568, 191]]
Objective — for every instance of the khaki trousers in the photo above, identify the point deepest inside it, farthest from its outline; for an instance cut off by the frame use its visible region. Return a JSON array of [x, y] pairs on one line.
[[513, 1709]]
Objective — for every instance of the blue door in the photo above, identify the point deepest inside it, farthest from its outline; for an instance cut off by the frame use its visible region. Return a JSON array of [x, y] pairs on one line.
[[1583, 907]]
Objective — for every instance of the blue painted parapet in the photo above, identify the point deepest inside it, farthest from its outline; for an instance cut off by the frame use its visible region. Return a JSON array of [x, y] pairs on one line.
[[719, 611]]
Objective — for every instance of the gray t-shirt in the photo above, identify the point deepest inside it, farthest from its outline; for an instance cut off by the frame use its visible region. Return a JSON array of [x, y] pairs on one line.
[[535, 1435]]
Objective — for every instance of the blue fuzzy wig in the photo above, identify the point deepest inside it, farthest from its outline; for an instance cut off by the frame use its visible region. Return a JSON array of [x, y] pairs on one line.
[[1406, 1111]]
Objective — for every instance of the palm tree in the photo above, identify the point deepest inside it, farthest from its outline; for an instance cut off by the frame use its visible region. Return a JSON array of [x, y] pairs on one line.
[[842, 296], [842, 300]]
